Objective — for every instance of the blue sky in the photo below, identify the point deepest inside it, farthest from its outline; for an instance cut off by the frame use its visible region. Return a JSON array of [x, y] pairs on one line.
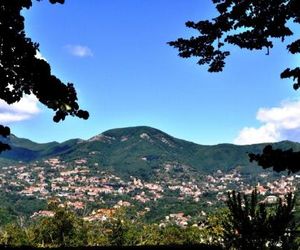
[[116, 54]]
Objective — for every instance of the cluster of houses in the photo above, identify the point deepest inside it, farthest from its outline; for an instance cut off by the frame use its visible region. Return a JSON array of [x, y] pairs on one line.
[[75, 184]]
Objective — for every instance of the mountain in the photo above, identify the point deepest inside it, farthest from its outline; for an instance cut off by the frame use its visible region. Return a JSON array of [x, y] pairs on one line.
[[138, 151], [27, 150]]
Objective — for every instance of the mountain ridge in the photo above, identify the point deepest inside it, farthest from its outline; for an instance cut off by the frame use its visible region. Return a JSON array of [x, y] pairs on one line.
[[139, 151], [109, 131]]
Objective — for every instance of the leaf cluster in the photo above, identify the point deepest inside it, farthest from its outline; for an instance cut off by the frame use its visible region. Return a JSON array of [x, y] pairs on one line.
[[21, 72], [253, 225], [251, 25], [280, 160], [247, 24]]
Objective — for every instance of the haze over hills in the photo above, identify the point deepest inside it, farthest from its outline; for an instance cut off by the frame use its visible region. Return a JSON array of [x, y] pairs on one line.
[[139, 151]]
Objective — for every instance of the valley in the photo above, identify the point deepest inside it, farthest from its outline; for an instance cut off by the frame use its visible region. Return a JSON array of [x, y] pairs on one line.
[[151, 173]]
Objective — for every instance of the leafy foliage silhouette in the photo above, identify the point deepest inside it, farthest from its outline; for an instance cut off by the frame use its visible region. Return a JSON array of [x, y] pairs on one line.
[[251, 25], [21, 72], [252, 225], [279, 159]]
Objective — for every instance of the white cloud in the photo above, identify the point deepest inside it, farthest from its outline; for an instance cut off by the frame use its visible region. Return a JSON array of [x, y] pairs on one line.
[[38, 55], [278, 123], [25, 109], [79, 50], [265, 133]]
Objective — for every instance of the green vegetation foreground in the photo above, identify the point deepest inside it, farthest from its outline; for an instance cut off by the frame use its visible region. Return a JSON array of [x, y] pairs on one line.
[[246, 223]]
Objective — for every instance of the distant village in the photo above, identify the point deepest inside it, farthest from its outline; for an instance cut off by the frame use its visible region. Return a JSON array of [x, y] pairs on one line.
[[75, 185]]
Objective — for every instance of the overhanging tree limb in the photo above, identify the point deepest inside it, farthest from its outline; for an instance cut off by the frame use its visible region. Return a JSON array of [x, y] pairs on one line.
[[253, 25], [21, 72]]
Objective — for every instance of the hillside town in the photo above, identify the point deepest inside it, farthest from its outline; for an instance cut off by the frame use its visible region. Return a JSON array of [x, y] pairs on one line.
[[76, 185]]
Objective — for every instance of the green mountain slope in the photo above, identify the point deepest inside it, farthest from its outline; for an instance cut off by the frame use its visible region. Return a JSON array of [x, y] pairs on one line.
[[27, 150], [139, 151]]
